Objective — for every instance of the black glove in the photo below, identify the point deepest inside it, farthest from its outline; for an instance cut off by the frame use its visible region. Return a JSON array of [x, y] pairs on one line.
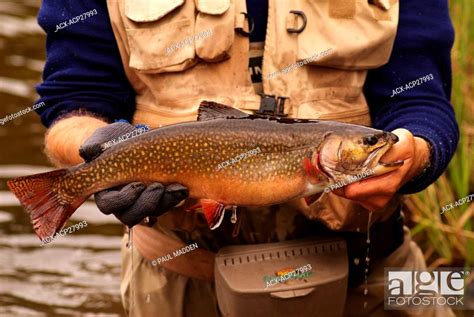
[[133, 202]]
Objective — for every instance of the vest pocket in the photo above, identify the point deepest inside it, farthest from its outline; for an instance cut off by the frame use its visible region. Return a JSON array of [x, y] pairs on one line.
[[160, 36], [214, 30], [346, 34]]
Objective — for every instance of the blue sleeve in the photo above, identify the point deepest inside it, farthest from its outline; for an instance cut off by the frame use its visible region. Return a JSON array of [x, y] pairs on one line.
[[83, 66], [422, 47]]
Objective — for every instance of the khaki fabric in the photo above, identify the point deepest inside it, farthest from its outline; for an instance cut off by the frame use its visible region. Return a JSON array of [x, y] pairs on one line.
[[333, 83], [178, 53], [156, 291], [149, 290], [170, 83]]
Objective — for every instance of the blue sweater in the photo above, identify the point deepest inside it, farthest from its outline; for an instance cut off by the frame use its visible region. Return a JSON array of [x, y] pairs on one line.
[[84, 70]]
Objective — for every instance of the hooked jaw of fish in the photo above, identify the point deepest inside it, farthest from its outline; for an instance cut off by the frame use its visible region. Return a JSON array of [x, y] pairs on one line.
[[341, 156]]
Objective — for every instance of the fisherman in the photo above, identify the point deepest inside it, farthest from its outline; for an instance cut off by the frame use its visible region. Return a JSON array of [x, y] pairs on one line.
[[141, 61]]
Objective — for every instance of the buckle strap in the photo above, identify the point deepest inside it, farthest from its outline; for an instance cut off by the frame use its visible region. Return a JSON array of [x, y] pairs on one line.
[[271, 105]]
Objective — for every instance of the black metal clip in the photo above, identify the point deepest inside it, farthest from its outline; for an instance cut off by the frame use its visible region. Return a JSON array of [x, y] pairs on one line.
[[305, 21], [251, 25], [272, 105]]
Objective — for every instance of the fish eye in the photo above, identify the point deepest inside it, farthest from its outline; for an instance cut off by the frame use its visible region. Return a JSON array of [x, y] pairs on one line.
[[370, 140]]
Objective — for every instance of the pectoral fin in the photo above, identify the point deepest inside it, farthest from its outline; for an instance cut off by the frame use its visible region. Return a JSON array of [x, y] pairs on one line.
[[311, 199], [213, 211]]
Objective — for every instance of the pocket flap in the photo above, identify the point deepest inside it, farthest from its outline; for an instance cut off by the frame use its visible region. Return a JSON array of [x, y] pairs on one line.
[[149, 10], [214, 7]]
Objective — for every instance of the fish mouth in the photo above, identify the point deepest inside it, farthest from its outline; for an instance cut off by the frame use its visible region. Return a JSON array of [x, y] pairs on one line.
[[333, 171], [384, 168], [374, 162]]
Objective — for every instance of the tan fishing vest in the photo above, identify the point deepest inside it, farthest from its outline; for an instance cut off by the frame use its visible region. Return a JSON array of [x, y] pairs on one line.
[[177, 53]]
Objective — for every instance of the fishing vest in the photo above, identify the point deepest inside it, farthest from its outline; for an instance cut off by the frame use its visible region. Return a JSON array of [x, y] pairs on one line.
[[177, 53]]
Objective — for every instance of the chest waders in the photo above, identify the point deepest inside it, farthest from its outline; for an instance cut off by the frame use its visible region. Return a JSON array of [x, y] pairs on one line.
[[315, 62]]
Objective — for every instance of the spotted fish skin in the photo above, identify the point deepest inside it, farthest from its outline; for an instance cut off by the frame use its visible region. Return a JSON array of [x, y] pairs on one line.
[[190, 154], [295, 158]]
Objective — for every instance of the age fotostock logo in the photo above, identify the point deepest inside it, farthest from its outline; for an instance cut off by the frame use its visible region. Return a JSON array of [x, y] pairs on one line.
[[412, 289]]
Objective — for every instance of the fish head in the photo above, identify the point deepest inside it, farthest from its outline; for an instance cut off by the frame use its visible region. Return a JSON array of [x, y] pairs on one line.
[[356, 151]]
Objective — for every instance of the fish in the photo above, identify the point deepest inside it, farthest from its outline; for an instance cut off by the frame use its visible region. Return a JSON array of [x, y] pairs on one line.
[[296, 158]]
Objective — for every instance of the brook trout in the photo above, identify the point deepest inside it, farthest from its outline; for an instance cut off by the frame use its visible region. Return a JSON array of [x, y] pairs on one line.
[[295, 158]]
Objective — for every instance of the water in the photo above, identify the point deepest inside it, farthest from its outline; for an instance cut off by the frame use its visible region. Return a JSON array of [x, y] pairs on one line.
[[132, 281], [367, 260], [75, 275]]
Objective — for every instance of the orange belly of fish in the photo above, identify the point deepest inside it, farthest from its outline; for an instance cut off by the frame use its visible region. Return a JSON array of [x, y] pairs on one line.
[[245, 193]]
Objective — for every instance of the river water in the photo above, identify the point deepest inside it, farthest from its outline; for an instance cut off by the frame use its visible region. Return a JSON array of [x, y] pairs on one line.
[[78, 274]]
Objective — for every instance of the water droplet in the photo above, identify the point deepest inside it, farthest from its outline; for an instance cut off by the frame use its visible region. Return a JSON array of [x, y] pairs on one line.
[[129, 242], [367, 260], [356, 261], [233, 219], [147, 299]]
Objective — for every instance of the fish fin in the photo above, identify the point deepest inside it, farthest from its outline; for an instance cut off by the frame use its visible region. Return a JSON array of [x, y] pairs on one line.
[[311, 199], [214, 212], [209, 110], [47, 206], [193, 207]]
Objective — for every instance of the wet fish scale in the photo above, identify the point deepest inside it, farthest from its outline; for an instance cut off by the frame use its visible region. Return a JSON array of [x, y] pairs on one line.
[[286, 166], [169, 155]]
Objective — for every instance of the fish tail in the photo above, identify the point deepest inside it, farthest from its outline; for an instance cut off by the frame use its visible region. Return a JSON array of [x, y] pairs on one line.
[[48, 206]]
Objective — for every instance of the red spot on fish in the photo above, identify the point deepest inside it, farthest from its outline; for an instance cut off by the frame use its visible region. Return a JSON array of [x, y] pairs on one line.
[[311, 170]]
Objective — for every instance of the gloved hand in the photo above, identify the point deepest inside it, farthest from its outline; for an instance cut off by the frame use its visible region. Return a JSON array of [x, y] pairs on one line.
[[133, 202]]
